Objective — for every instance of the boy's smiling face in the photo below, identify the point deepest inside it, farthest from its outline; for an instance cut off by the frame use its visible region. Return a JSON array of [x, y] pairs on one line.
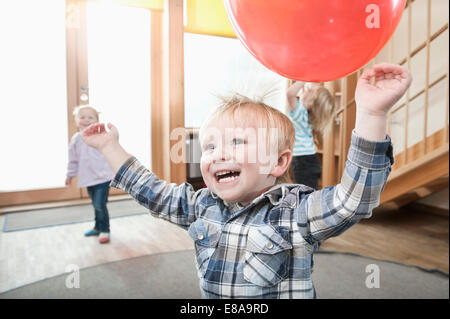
[[234, 165]]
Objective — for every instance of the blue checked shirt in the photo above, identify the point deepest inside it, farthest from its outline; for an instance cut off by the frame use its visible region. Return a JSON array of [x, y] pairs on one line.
[[264, 250]]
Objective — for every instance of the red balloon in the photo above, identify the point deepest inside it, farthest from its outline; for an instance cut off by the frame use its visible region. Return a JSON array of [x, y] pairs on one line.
[[314, 40]]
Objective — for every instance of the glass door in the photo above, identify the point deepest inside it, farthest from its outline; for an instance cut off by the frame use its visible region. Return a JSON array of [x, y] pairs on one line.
[[57, 55], [34, 101], [118, 55]]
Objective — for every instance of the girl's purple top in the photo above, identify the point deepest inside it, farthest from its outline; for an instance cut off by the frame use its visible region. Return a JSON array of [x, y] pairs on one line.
[[88, 163]]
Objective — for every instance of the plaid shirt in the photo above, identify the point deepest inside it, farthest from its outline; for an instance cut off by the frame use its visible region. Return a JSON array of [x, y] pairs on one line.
[[264, 250]]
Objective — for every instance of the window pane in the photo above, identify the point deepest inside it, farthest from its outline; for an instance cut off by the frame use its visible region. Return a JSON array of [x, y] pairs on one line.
[[119, 73], [215, 66], [33, 107]]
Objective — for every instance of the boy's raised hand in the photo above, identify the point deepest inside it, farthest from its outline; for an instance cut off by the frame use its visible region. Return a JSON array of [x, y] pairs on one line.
[[106, 142], [97, 137], [390, 83], [375, 99]]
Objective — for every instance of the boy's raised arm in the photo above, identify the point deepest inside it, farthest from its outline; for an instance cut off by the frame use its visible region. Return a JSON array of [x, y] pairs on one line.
[[332, 210], [165, 200], [292, 92], [106, 142]]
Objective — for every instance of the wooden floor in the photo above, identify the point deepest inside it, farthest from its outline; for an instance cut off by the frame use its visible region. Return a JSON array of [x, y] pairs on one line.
[[31, 255], [405, 236], [408, 237]]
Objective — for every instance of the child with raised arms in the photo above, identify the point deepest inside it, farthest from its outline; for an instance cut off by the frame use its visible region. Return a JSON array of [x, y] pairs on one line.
[[254, 233]]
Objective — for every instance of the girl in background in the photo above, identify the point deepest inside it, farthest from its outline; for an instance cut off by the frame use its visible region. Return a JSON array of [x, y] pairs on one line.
[[311, 110], [92, 170]]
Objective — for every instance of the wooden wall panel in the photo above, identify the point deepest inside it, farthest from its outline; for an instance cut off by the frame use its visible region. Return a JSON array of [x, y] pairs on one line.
[[328, 158], [158, 114], [418, 123], [423, 32], [173, 85]]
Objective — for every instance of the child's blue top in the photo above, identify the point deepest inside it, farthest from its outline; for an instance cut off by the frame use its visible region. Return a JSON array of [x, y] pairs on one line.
[[304, 140], [264, 250]]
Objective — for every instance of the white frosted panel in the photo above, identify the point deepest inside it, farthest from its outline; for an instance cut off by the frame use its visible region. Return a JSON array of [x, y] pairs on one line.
[[439, 56], [416, 120], [397, 130], [400, 39], [419, 23], [383, 56], [418, 70], [33, 104], [437, 104], [439, 14]]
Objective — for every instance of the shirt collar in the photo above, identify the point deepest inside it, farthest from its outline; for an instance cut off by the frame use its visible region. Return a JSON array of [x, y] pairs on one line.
[[275, 195]]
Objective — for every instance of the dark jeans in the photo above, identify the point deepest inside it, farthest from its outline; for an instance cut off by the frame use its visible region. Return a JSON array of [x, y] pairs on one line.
[[307, 170], [99, 196]]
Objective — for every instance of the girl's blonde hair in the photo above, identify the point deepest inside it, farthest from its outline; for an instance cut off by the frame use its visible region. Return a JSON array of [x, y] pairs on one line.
[[321, 112], [248, 112], [77, 110]]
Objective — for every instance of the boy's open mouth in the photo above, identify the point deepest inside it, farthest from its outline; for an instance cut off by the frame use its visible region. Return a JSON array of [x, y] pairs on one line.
[[226, 176]]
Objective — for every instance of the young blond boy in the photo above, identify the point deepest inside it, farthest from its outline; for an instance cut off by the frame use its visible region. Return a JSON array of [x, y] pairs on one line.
[[255, 235]]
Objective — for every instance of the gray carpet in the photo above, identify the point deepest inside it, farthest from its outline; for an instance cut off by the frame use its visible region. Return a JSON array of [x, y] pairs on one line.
[[67, 215], [173, 276]]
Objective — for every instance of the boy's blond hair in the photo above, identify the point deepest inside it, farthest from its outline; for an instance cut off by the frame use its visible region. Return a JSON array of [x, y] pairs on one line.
[[251, 111], [77, 109]]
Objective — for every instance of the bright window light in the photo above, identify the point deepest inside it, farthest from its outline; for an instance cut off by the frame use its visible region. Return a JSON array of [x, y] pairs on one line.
[[119, 73], [33, 105], [216, 66]]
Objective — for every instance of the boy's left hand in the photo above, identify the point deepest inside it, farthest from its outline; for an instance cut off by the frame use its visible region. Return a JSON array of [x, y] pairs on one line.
[[390, 83]]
